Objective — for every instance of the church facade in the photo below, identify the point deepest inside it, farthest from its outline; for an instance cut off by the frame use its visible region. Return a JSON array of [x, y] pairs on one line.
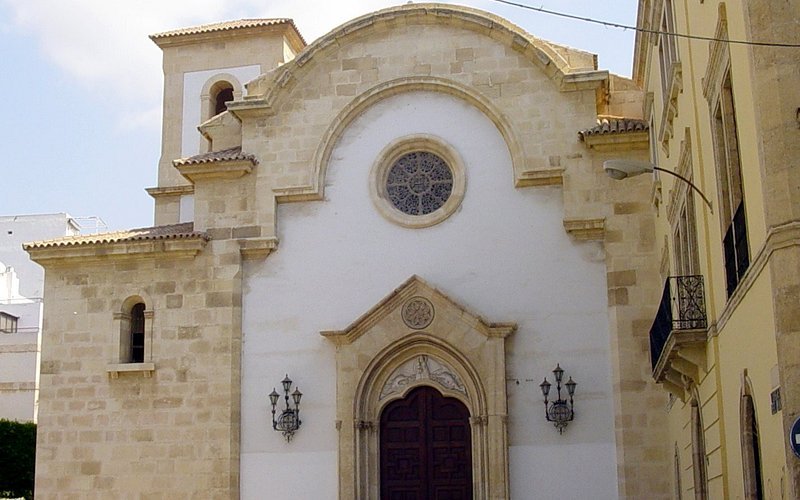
[[409, 219]]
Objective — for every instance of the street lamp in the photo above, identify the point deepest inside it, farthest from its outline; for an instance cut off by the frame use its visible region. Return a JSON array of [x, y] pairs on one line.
[[621, 169]]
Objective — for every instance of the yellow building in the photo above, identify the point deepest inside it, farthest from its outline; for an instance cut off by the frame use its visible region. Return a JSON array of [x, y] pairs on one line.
[[726, 341]]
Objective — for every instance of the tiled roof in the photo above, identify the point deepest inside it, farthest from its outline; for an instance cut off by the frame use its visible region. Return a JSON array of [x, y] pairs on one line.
[[169, 232], [232, 154], [225, 26], [614, 125]]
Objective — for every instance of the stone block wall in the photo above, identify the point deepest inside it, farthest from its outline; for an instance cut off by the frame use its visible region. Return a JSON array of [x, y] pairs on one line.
[[171, 432]]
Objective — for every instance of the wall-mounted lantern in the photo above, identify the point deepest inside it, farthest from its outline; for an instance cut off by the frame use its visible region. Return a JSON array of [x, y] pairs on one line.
[[289, 420], [560, 411]]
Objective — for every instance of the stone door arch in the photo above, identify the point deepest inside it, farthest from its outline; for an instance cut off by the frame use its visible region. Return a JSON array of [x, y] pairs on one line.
[[382, 357]]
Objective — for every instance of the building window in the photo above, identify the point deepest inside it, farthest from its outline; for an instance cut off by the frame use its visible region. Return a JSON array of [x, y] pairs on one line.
[[671, 73], [667, 47], [730, 186], [8, 323], [137, 333], [685, 240], [417, 181], [676, 465], [751, 450], [718, 89], [682, 218], [134, 326], [223, 95], [216, 92], [698, 451]]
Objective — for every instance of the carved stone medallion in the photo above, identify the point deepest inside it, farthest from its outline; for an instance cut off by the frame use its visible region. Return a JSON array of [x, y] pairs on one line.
[[417, 313], [422, 368]]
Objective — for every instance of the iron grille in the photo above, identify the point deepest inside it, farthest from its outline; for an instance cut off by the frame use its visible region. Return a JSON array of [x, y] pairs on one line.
[[682, 307]]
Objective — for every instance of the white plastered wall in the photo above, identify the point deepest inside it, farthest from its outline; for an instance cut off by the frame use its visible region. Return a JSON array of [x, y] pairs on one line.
[[503, 255]]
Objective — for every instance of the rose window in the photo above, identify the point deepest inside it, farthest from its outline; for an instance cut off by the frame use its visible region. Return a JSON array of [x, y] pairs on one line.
[[419, 183]]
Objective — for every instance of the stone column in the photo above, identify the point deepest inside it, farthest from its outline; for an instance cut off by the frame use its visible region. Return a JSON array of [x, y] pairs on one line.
[[776, 72]]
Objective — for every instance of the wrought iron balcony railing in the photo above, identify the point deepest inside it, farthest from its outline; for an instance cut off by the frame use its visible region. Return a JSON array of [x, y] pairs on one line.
[[683, 307]]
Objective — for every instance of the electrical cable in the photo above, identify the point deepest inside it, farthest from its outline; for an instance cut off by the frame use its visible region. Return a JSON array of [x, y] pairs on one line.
[[645, 30]]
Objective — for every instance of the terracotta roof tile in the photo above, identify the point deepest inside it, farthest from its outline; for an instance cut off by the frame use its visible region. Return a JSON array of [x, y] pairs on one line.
[[232, 154], [614, 125], [226, 26], [168, 232]]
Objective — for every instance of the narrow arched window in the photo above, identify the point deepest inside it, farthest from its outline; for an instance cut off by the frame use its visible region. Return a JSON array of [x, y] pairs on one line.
[[676, 463], [751, 451], [137, 333], [222, 96], [698, 451]]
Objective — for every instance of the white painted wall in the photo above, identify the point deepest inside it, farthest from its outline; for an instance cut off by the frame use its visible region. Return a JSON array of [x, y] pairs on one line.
[[186, 208], [18, 351], [18, 229], [193, 83], [504, 255]]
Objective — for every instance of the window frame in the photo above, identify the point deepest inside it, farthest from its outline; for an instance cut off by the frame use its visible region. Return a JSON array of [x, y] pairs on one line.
[[699, 466], [387, 158], [683, 217], [124, 325], [752, 458], [718, 88], [8, 323], [667, 46]]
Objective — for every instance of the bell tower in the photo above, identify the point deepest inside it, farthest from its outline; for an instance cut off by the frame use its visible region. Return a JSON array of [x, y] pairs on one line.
[[205, 67]]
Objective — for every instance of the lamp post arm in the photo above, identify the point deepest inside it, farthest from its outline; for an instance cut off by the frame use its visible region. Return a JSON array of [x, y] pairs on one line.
[[687, 181]]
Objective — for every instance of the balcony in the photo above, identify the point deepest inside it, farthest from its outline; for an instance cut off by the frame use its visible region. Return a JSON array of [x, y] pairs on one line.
[[679, 332]]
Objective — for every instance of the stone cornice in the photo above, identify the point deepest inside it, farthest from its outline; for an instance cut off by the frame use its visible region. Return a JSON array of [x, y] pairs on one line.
[[158, 192], [230, 169], [178, 248], [718, 58], [618, 142], [248, 28], [413, 286], [257, 248], [115, 369], [541, 53], [541, 177], [586, 229]]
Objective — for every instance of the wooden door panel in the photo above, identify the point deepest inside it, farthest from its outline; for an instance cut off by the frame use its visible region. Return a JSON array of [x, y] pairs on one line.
[[425, 448]]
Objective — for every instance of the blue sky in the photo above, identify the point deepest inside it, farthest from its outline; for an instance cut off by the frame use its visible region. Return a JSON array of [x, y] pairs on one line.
[[81, 87]]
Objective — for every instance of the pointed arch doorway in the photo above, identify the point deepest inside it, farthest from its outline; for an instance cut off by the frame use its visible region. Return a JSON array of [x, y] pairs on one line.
[[425, 448]]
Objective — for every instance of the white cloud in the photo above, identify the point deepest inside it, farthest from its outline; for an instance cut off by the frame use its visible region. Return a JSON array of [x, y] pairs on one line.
[[103, 46]]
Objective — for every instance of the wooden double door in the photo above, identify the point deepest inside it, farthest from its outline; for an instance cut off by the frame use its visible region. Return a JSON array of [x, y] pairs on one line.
[[425, 448]]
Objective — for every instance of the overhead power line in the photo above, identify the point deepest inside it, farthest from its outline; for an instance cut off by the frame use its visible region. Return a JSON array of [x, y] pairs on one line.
[[610, 24]]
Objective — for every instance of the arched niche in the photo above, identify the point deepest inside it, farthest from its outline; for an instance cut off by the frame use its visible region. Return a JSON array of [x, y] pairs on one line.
[[382, 91], [212, 87]]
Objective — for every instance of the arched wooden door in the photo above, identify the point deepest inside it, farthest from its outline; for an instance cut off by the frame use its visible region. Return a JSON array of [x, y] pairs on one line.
[[425, 449]]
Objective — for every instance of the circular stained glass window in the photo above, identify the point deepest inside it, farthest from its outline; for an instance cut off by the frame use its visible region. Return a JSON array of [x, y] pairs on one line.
[[419, 183]]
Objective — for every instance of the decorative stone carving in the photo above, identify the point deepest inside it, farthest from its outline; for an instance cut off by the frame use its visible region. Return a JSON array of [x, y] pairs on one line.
[[422, 368], [418, 313], [364, 425], [479, 420]]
